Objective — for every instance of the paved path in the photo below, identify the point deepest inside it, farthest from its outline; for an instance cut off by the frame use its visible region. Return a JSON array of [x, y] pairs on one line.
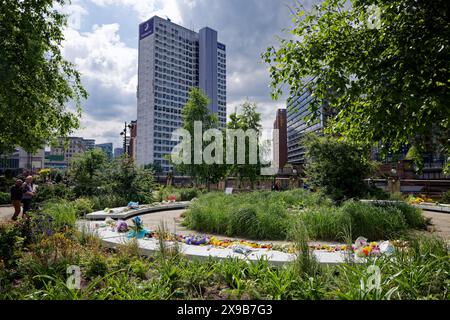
[[440, 223], [6, 214]]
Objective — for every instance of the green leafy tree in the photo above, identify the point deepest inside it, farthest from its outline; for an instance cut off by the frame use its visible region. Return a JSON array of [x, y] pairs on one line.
[[337, 168], [124, 178], [196, 109], [86, 172], [36, 82], [248, 119], [387, 79]]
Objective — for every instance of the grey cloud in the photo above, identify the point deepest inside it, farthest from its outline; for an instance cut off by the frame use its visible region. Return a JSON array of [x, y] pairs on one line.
[[107, 103], [247, 28]]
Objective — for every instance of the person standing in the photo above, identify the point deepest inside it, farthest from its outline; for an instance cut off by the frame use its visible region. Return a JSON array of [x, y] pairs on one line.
[[16, 197], [28, 194]]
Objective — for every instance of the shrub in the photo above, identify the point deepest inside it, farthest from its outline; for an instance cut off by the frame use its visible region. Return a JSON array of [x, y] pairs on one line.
[[188, 194], [413, 216], [63, 213], [5, 198], [446, 197], [97, 266], [11, 242], [337, 168], [83, 206], [47, 192], [103, 201], [51, 255]]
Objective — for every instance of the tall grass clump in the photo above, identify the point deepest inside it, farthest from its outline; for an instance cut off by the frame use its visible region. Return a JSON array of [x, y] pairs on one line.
[[371, 221], [63, 213], [256, 215]]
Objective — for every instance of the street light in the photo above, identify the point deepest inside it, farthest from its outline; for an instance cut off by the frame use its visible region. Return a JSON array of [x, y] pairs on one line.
[[124, 134]]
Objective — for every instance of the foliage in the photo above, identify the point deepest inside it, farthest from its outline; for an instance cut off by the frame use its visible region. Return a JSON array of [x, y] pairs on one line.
[[421, 272], [277, 216], [63, 213], [83, 206], [6, 182], [125, 179], [372, 76], [11, 242], [45, 192], [196, 109], [103, 201], [249, 119], [36, 81], [370, 221], [180, 194], [5, 198], [337, 168], [86, 172], [256, 215], [446, 197]]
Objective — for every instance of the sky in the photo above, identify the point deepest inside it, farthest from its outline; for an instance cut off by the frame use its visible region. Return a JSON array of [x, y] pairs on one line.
[[102, 41]]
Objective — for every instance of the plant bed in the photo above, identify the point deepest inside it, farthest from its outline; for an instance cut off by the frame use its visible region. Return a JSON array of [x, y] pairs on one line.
[[273, 215]]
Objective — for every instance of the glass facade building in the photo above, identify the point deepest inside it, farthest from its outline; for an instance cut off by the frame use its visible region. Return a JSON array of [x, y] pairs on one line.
[[172, 60], [298, 126]]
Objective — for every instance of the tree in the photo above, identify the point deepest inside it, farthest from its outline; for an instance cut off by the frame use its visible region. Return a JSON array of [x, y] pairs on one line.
[[36, 83], [86, 172], [123, 177], [387, 79], [337, 168], [249, 119], [196, 109]]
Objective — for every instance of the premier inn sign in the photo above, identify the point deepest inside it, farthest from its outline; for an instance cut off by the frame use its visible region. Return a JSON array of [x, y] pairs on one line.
[[146, 29]]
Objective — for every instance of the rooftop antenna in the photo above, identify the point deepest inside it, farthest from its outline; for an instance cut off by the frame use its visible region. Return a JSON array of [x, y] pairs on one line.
[[168, 19]]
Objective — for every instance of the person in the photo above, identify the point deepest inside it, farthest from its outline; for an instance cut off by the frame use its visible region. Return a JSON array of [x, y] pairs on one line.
[[16, 197], [277, 186], [28, 194]]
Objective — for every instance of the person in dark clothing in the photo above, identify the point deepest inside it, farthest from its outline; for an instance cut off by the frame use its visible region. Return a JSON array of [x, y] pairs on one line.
[[16, 197], [28, 193]]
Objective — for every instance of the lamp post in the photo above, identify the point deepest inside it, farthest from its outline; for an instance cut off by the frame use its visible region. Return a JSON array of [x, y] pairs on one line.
[[124, 134]]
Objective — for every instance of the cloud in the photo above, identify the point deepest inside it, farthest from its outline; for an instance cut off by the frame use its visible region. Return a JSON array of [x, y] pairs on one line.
[[109, 74], [148, 8]]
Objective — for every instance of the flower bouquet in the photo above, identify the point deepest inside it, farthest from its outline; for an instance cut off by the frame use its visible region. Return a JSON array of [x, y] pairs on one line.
[[363, 249], [133, 205], [196, 240], [137, 230], [121, 226]]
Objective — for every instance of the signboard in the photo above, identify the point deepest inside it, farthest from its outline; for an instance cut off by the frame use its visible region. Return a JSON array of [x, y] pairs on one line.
[[145, 29], [221, 46], [228, 191]]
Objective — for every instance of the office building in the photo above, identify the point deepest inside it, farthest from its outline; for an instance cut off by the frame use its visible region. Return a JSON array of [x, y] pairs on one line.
[[20, 160], [172, 60], [89, 144], [61, 154], [300, 123], [280, 139]]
